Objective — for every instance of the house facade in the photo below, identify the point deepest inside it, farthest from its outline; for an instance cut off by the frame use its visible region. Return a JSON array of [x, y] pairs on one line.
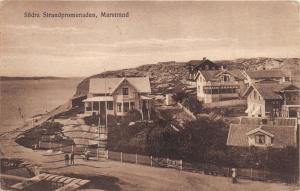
[[193, 66], [272, 99], [263, 133], [118, 96], [291, 102], [218, 85]]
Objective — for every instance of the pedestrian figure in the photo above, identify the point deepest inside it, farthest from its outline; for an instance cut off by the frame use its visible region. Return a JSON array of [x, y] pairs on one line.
[[86, 155], [66, 159], [234, 180], [72, 158]]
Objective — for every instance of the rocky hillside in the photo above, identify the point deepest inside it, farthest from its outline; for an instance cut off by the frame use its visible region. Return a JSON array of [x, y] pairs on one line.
[[167, 75]]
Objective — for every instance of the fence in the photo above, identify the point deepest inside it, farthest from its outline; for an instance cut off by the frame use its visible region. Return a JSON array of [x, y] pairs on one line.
[[145, 160], [77, 149], [253, 174]]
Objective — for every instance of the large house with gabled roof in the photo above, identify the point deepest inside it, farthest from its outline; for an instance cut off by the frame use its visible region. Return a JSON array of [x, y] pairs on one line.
[[118, 96], [219, 85], [273, 99], [193, 66], [277, 75]]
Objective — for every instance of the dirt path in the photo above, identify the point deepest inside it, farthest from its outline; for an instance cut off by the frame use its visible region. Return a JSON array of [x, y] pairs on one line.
[[112, 175]]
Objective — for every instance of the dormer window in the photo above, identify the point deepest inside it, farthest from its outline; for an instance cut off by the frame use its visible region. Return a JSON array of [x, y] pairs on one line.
[[260, 139], [125, 91], [226, 78]]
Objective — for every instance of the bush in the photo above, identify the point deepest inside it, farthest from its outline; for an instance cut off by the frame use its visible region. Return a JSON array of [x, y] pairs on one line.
[[189, 101], [192, 103], [178, 96]]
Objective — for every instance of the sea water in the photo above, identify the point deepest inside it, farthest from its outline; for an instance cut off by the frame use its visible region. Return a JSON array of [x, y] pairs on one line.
[[22, 99]]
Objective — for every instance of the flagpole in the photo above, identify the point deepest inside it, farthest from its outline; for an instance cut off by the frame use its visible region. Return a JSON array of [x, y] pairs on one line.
[[105, 103]]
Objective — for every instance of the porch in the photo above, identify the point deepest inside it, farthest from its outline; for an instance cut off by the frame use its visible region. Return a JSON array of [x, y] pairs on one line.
[[100, 105]]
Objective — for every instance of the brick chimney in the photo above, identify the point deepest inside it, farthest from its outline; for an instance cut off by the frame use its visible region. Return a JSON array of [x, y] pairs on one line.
[[204, 58]]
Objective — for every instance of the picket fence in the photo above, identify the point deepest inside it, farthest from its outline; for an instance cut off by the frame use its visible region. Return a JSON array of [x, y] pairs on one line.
[[252, 174]]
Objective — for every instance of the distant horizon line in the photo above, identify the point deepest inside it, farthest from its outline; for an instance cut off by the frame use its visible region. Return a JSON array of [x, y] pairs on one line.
[[85, 76]]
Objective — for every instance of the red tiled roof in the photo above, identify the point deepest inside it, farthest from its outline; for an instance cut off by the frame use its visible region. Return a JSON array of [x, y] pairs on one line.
[[283, 135]]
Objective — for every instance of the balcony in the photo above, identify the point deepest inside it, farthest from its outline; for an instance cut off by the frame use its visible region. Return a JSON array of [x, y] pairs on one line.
[[125, 97], [228, 83]]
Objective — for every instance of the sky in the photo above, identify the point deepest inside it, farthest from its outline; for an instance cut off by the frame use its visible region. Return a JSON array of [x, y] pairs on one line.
[[153, 32]]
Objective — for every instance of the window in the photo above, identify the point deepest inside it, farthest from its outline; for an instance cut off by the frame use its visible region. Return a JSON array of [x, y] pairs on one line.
[[226, 78], [88, 106], [125, 91], [96, 106], [126, 106], [260, 139], [110, 105], [119, 107], [132, 105]]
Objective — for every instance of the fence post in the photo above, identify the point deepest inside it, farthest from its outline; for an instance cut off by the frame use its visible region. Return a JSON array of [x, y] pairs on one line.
[[167, 162], [251, 174], [151, 163], [107, 154], [181, 165], [97, 151], [121, 157], [136, 158]]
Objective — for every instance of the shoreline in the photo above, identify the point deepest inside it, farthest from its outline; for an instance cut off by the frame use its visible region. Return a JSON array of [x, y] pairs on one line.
[[8, 139]]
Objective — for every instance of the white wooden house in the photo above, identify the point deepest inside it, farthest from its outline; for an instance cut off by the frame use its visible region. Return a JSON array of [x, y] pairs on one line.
[[118, 96]]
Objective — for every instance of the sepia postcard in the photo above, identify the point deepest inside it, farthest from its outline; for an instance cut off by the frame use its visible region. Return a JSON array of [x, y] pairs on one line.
[[149, 95]]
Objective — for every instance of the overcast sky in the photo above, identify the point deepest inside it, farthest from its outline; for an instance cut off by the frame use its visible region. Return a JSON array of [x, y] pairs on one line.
[[154, 31]]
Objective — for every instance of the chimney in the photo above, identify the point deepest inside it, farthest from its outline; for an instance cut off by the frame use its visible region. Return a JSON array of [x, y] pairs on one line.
[[204, 58], [222, 67]]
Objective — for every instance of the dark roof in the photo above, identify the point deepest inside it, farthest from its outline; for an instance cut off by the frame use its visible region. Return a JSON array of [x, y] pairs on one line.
[[262, 74], [276, 121], [270, 90], [283, 135], [198, 63], [211, 75]]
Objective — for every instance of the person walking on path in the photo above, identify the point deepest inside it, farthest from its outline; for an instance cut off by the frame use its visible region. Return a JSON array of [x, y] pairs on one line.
[[66, 159], [72, 158], [234, 180]]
